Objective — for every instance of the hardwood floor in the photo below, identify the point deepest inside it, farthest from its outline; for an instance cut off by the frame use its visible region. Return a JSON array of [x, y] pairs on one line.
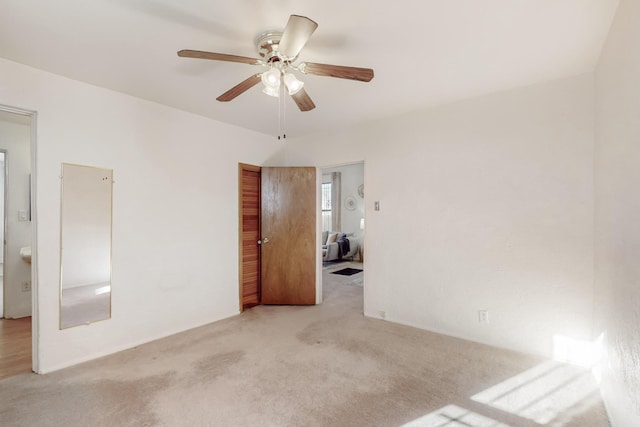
[[15, 346]]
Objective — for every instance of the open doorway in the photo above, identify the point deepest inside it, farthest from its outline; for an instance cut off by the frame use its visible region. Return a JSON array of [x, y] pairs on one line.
[[16, 280], [343, 222]]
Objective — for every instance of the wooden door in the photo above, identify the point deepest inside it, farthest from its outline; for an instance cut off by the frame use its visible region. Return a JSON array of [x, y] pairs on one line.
[[249, 182], [288, 270]]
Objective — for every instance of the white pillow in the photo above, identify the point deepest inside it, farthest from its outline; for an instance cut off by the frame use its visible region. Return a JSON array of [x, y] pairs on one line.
[[332, 238]]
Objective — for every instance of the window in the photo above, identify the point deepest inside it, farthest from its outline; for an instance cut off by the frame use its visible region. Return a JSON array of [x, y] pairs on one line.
[[326, 206]]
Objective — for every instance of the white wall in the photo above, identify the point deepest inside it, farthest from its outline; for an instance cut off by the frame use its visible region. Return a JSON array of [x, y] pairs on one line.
[[618, 213], [15, 138], [175, 218], [485, 204], [351, 176]]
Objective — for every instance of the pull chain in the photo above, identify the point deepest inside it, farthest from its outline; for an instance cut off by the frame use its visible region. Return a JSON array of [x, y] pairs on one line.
[[282, 114], [279, 113]]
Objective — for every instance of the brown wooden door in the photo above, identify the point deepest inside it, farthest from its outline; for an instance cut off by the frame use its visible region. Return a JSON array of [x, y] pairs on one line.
[[249, 235], [288, 265]]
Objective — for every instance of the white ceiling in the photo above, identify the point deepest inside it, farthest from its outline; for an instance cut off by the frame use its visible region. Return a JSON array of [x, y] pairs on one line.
[[424, 52]]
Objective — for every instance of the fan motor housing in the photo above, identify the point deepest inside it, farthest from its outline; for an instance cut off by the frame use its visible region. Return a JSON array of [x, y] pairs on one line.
[[267, 47]]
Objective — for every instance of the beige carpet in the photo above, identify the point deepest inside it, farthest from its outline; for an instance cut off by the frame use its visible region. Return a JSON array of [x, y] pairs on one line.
[[324, 365]]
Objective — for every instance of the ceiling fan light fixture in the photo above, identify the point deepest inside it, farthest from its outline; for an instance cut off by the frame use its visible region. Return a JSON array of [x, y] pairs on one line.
[[271, 91], [278, 50], [271, 78], [293, 84]]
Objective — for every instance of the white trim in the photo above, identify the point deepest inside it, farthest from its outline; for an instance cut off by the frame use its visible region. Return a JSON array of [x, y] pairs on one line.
[[318, 235], [14, 110], [4, 232]]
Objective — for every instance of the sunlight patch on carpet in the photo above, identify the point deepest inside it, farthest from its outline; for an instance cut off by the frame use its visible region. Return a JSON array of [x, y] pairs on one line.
[[542, 393], [454, 416]]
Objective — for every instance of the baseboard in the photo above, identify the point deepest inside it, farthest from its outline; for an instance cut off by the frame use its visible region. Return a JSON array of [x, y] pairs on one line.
[[123, 347], [454, 335]]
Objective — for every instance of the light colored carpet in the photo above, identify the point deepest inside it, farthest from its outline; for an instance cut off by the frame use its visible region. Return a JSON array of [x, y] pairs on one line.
[[324, 365]]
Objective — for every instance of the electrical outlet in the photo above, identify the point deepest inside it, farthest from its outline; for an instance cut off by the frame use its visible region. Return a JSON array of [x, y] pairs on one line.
[[26, 286], [376, 205], [382, 314], [483, 316]]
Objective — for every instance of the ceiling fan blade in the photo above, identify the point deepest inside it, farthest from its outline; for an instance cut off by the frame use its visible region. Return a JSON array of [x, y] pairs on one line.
[[340, 71], [186, 53], [303, 100], [295, 35], [240, 88]]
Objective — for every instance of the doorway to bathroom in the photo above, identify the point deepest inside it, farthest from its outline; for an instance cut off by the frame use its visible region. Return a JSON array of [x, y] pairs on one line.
[[15, 147], [16, 133]]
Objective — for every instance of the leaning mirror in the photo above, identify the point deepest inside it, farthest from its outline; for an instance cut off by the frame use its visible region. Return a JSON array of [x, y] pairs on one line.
[[85, 245]]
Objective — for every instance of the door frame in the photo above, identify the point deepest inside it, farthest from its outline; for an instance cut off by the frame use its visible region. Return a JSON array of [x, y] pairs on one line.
[[5, 172], [35, 312]]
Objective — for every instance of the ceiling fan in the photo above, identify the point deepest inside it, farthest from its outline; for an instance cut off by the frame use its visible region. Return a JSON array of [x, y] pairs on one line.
[[278, 51]]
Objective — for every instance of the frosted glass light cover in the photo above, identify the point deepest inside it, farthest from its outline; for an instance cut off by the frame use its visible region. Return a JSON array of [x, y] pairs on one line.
[[271, 78], [293, 84], [271, 91]]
